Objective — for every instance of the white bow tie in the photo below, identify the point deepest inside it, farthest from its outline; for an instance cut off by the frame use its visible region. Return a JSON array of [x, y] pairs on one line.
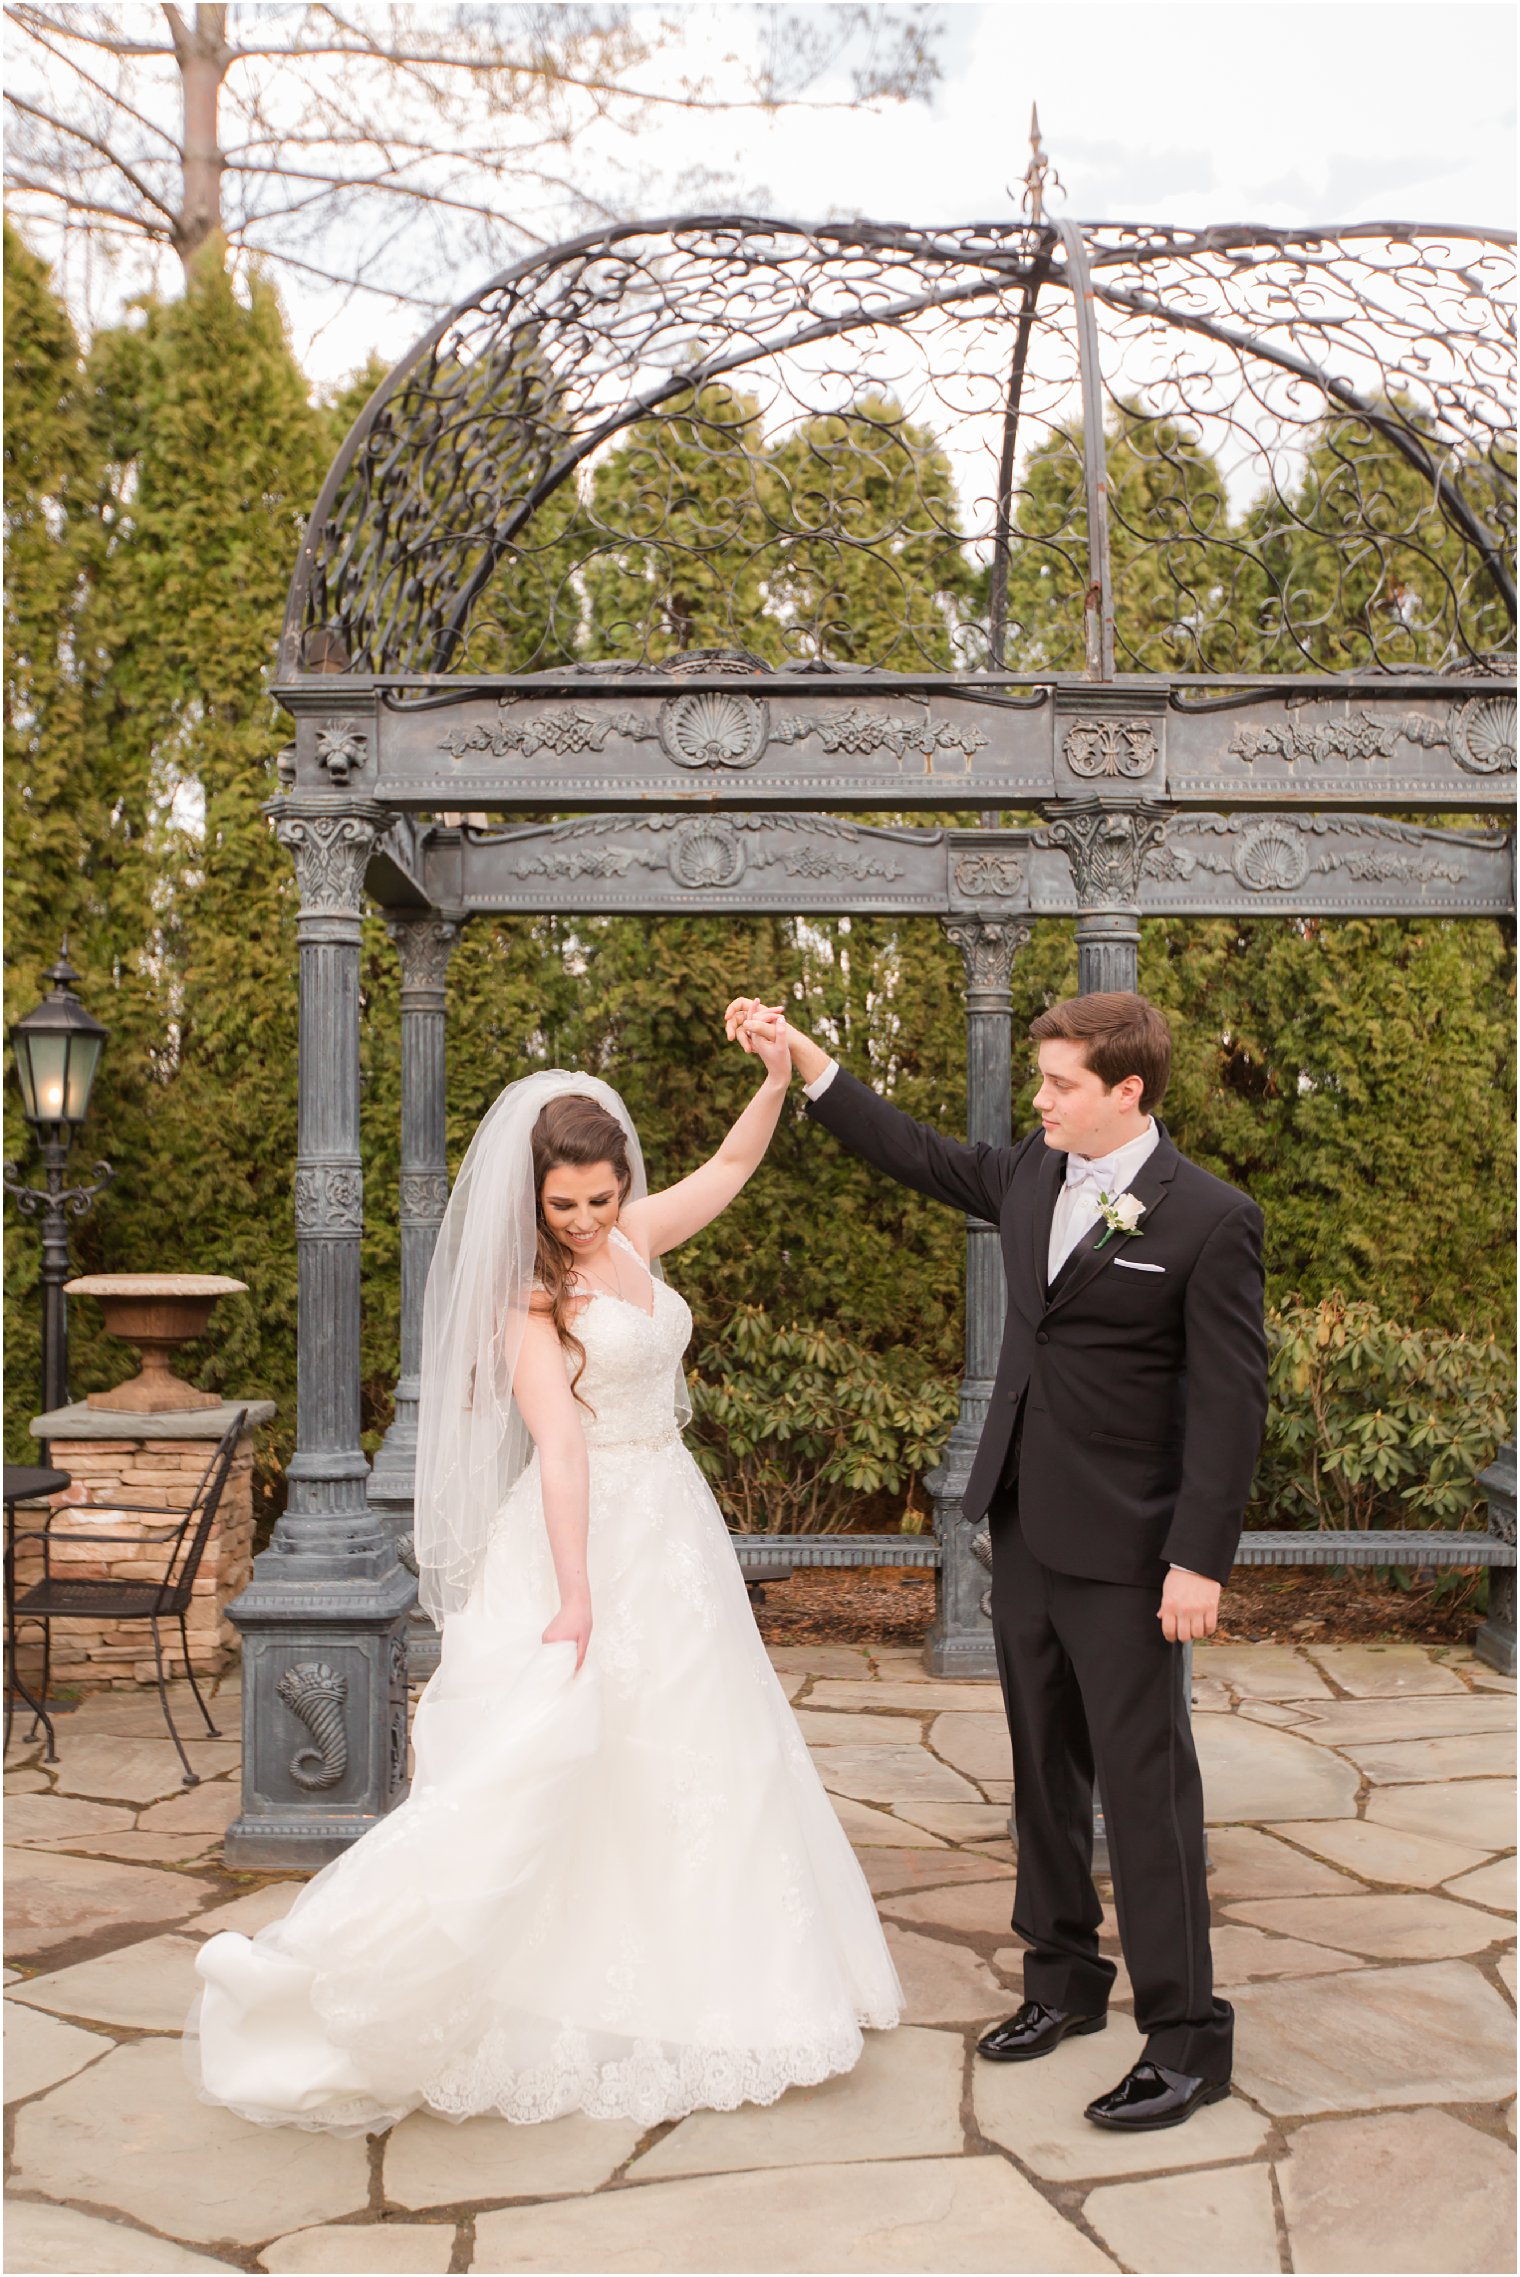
[[1101, 1174]]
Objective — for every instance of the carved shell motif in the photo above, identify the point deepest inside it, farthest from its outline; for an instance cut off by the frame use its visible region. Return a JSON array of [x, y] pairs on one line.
[[707, 854], [1271, 858], [1483, 736], [714, 729]]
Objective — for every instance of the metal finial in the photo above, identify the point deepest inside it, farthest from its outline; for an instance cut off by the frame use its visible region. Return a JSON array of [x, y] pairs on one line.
[[1040, 174]]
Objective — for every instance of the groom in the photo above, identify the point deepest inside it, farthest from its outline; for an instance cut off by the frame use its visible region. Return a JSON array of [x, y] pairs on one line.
[[1113, 1469]]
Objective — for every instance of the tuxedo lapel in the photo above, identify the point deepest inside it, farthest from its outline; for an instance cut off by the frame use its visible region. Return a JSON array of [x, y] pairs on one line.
[[1049, 1179], [1150, 1185]]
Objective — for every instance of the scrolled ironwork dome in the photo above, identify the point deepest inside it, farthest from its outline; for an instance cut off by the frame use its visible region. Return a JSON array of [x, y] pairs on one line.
[[1022, 448]]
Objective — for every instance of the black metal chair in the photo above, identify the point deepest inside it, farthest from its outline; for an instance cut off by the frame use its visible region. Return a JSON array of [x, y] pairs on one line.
[[58, 1597]]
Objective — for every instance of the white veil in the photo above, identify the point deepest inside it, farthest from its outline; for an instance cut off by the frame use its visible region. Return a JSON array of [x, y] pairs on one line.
[[471, 1441]]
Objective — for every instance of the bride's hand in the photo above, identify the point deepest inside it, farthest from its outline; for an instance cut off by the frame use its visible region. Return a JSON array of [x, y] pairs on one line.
[[764, 1034], [743, 1016], [571, 1625]]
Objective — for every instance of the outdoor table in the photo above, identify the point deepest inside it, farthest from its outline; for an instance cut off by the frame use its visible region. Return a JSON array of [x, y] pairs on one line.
[[23, 1483]]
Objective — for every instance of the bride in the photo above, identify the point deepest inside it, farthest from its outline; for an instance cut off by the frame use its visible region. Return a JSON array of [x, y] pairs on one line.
[[617, 1885]]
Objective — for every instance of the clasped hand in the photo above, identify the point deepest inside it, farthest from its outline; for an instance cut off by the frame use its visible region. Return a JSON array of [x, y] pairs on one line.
[[759, 1028]]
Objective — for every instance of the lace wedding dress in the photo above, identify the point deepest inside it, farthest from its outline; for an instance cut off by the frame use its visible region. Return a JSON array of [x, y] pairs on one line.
[[622, 1892]]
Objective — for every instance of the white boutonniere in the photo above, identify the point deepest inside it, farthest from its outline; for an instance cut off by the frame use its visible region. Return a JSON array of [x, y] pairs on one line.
[[1121, 1214]]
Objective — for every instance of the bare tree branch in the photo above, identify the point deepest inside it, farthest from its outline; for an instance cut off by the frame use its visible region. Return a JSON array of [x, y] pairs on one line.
[[92, 142]]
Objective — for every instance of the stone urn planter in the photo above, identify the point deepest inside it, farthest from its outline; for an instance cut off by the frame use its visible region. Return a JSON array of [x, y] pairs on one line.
[[157, 1312]]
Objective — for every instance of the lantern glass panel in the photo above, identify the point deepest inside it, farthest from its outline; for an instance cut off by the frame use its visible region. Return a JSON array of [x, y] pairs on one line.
[[83, 1059], [42, 1061]]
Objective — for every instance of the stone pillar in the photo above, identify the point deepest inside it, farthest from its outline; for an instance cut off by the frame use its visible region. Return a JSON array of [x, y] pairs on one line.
[[324, 1617], [424, 942], [120, 1458], [961, 1641], [1495, 1641]]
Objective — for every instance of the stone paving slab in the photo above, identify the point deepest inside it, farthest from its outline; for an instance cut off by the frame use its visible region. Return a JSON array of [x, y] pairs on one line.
[[892, 1696], [133, 1849], [1404, 1762], [366, 2249], [148, 1986], [1383, 1853], [1252, 1774], [254, 1911], [135, 1770], [870, 1829], [902, 2100], [890, 1774], [40, 2051], [1492, 1885], [1244, 1862], [1348, 1723], [1432, 2032], [977, 1745], [1384, 1671], [53, 1901], [1476, 1811], [1244, 1955], [1407, 1925], [959, 1822], [968, 1909], [32, 1819], [1261, 1671], [207, 1809], [899, 2216], [823, 1727], [1223, 2220], [848, 1661], [129, 2134], [1035, 2111], [943, 1982], [432, 2162], [890, 1871], [1402, 2191], [57, 2239]]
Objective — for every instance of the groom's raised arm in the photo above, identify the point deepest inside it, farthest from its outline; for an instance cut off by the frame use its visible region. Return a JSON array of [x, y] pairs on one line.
[[973, 1178]]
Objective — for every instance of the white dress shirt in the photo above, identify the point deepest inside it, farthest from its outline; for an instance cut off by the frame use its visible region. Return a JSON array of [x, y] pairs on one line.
[[1077, 1208]]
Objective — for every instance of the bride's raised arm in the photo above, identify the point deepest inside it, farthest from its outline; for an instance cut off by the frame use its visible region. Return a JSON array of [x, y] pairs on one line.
[[663, 1221]]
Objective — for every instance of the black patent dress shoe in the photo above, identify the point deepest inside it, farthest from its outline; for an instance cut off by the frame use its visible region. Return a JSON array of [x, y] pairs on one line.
[[1034, 2031], [1152, 2096]]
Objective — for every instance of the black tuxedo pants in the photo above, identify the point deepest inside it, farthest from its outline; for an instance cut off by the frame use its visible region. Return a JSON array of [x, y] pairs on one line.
[[1092, 1688]]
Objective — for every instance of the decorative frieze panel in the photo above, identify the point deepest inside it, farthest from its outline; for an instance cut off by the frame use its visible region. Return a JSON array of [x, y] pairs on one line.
[[764, 742], [671, 861], [424, 1195], [1211, 864]]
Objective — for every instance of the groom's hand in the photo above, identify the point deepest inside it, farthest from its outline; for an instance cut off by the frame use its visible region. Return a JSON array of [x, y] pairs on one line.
[[1189, 1607]]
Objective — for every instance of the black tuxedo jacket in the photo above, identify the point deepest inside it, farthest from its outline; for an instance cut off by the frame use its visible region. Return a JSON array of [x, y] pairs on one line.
[[1143, 1394]]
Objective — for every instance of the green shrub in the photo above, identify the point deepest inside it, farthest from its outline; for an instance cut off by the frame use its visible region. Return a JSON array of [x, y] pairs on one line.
[[793, 1426], [1372, 1424]]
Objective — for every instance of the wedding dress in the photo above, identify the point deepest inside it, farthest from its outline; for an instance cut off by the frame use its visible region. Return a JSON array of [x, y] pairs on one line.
[[623, 1891]]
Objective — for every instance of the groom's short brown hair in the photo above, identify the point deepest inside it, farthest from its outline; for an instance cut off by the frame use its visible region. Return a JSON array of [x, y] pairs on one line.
[[1121, 1034]]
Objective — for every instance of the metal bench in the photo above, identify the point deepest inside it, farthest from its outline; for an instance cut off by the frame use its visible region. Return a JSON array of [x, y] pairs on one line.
[[775, 1557]]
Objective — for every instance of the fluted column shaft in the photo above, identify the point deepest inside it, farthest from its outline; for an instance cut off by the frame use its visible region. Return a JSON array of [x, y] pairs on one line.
[[424, 944], [961, 1642]]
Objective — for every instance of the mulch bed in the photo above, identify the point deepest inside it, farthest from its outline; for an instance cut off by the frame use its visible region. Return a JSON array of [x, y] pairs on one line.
[[894, 1605]]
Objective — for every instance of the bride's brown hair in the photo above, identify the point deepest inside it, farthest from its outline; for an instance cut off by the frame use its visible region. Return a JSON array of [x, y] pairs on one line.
[[572, 1133]]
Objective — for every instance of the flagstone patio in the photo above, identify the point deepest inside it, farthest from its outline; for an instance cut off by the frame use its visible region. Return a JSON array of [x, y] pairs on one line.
[[1363, 1874]]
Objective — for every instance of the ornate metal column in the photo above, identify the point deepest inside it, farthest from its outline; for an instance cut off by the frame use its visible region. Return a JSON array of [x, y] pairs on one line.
[[424, 942], [1106, 846], [961, 1642], [324, 1617]]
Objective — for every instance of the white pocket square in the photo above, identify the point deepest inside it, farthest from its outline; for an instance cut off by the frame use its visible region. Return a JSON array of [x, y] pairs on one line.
[[1138, 1265]]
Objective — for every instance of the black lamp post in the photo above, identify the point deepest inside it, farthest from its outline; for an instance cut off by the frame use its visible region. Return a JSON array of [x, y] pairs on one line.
[[57, 1049]]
